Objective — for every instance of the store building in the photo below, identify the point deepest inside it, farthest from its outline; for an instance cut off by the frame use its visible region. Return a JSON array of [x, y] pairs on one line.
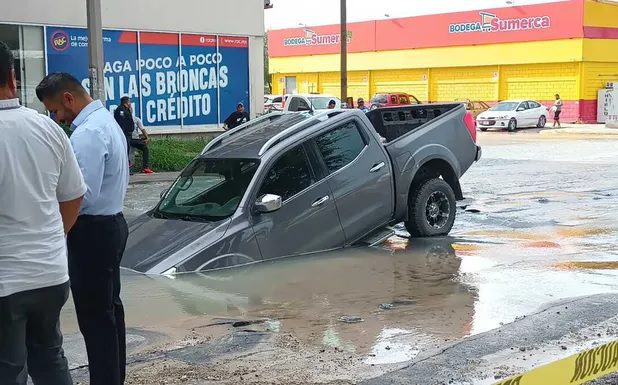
[[186, 67], [533, 52]]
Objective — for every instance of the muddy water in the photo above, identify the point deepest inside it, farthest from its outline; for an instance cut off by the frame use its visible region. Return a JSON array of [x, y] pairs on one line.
[[538, 225]]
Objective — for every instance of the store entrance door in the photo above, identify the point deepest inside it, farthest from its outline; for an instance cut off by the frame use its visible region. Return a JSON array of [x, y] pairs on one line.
[[290, 84]]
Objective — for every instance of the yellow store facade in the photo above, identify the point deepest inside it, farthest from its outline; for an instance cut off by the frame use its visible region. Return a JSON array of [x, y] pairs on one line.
[[530, 52]]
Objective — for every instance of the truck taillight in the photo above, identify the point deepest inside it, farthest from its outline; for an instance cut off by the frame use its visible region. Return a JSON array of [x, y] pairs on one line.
[[470, 124]]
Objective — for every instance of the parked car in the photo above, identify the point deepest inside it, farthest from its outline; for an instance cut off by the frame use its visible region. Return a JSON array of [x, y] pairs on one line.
[[477, 107], [392, 100], [294, 184], [272, 103], [512, 114], [309, 102]]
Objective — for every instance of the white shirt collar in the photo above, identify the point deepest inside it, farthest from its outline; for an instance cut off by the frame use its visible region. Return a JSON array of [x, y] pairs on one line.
[[9, 104]]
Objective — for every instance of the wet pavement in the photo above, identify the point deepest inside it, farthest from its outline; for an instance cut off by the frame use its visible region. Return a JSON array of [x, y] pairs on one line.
[[538, 226]]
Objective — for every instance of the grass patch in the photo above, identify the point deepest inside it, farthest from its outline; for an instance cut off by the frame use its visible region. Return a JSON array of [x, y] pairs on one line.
[[170, 154]]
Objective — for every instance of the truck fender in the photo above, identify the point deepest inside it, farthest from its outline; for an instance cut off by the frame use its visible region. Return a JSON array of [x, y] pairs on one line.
[[431, 161]]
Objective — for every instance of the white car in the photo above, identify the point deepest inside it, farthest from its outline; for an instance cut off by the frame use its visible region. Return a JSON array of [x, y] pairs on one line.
[[512, 114], [272, 103], [309, 102]]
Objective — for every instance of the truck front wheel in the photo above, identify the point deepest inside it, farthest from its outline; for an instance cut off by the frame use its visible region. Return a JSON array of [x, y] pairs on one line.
[[432, 209]]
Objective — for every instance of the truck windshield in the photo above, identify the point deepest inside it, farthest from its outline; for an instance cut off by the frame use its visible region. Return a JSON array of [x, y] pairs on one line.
[[321, 102], [207, 190], [380, 98], [506, 106]]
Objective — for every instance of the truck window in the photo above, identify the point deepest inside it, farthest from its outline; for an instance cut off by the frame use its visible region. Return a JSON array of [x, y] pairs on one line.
[[404, 100], [289, 175], [379, 99], [293, 104], [340, 146], [303, 105], [394, 99]]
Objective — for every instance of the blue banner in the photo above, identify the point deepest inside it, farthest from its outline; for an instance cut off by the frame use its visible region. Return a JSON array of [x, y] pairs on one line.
[[235, 86], [180, 84]]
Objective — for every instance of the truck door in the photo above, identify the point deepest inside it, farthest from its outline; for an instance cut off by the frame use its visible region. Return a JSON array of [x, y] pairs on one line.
[[307, 221], [360, 177]]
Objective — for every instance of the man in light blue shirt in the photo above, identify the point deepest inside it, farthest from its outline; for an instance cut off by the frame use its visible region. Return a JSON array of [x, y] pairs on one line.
[[97, 241]]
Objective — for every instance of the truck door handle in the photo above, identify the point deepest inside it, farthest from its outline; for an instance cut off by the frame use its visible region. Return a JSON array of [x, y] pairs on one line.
[[377, 167], [320, 201]]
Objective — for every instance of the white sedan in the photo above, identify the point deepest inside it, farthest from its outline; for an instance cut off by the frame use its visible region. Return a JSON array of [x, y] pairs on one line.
[[512, 114]]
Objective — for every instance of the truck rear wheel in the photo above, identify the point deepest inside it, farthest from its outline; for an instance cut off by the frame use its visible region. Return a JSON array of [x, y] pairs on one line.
[[432, 209]]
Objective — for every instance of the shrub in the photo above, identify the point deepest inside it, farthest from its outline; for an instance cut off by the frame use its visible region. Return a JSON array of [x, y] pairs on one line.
[[170, 154]]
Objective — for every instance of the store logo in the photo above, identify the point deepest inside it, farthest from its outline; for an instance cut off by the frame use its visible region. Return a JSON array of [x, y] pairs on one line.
[[492, 23], [313, 38], [60, 41]]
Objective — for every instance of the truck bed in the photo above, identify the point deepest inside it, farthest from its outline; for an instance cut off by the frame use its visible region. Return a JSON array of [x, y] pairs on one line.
[[395, 122], [419, 134]]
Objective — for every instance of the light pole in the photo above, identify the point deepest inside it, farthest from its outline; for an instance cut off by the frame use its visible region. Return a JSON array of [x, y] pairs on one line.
[[95, 49], [344, 52]]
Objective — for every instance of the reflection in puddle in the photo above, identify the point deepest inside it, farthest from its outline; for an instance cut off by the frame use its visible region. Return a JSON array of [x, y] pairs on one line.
[[306, 297]]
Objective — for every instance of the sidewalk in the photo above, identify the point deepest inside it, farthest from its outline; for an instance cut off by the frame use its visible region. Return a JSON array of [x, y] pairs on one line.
[[592, 130], [156, 177]]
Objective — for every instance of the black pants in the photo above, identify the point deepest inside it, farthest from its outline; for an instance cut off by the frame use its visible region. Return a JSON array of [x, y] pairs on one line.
[[30, 337], [128, 138], [143, 147], [96, 245]]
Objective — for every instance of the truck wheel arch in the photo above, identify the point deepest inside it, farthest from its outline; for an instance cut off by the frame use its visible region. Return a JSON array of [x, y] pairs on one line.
[[437, 168]]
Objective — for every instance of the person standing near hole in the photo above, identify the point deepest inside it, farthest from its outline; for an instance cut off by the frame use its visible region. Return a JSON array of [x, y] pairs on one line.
[[42, 189], [97, 241]]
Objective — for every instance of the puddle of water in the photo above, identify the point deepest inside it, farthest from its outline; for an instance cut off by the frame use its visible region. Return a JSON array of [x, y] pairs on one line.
[[393, 346], [466, 248], [543, 245], [581, 232], [610, 265], [505, 234], [507, 261], [307, 296]]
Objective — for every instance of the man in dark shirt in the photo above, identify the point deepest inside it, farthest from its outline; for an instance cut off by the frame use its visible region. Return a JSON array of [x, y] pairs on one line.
[[124, 118], [240, 116]]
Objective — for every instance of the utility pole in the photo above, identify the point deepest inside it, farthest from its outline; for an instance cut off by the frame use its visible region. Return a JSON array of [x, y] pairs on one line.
[[344, 52], [95, 50]]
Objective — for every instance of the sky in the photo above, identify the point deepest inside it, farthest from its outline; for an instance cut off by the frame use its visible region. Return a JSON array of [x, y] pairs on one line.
[[298, 13]]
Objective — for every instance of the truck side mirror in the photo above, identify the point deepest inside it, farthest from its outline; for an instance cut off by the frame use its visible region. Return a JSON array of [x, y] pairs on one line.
[[268, 203]]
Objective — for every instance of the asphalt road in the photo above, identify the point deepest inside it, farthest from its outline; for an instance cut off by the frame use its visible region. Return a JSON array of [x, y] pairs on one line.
[[531, 264]]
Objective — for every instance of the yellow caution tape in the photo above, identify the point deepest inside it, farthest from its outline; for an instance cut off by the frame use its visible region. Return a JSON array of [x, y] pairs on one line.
[[575, 370]]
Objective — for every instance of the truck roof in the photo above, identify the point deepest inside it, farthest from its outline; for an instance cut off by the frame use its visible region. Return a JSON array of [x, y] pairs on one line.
[[248, 140]]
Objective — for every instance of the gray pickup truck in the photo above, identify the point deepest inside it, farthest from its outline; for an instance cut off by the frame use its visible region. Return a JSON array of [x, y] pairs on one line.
[[300, 183]]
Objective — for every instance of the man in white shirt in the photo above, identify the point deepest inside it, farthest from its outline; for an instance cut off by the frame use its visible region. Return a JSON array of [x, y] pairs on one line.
[[42, 189]]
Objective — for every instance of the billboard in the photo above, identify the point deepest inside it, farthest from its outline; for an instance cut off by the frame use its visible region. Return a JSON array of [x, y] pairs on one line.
[[537, 22], [172, 79]]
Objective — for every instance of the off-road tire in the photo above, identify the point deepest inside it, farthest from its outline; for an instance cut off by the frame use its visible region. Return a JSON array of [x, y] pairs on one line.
[[418, 223]]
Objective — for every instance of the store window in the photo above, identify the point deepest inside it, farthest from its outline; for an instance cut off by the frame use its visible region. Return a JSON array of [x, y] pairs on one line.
[[26, 42]]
